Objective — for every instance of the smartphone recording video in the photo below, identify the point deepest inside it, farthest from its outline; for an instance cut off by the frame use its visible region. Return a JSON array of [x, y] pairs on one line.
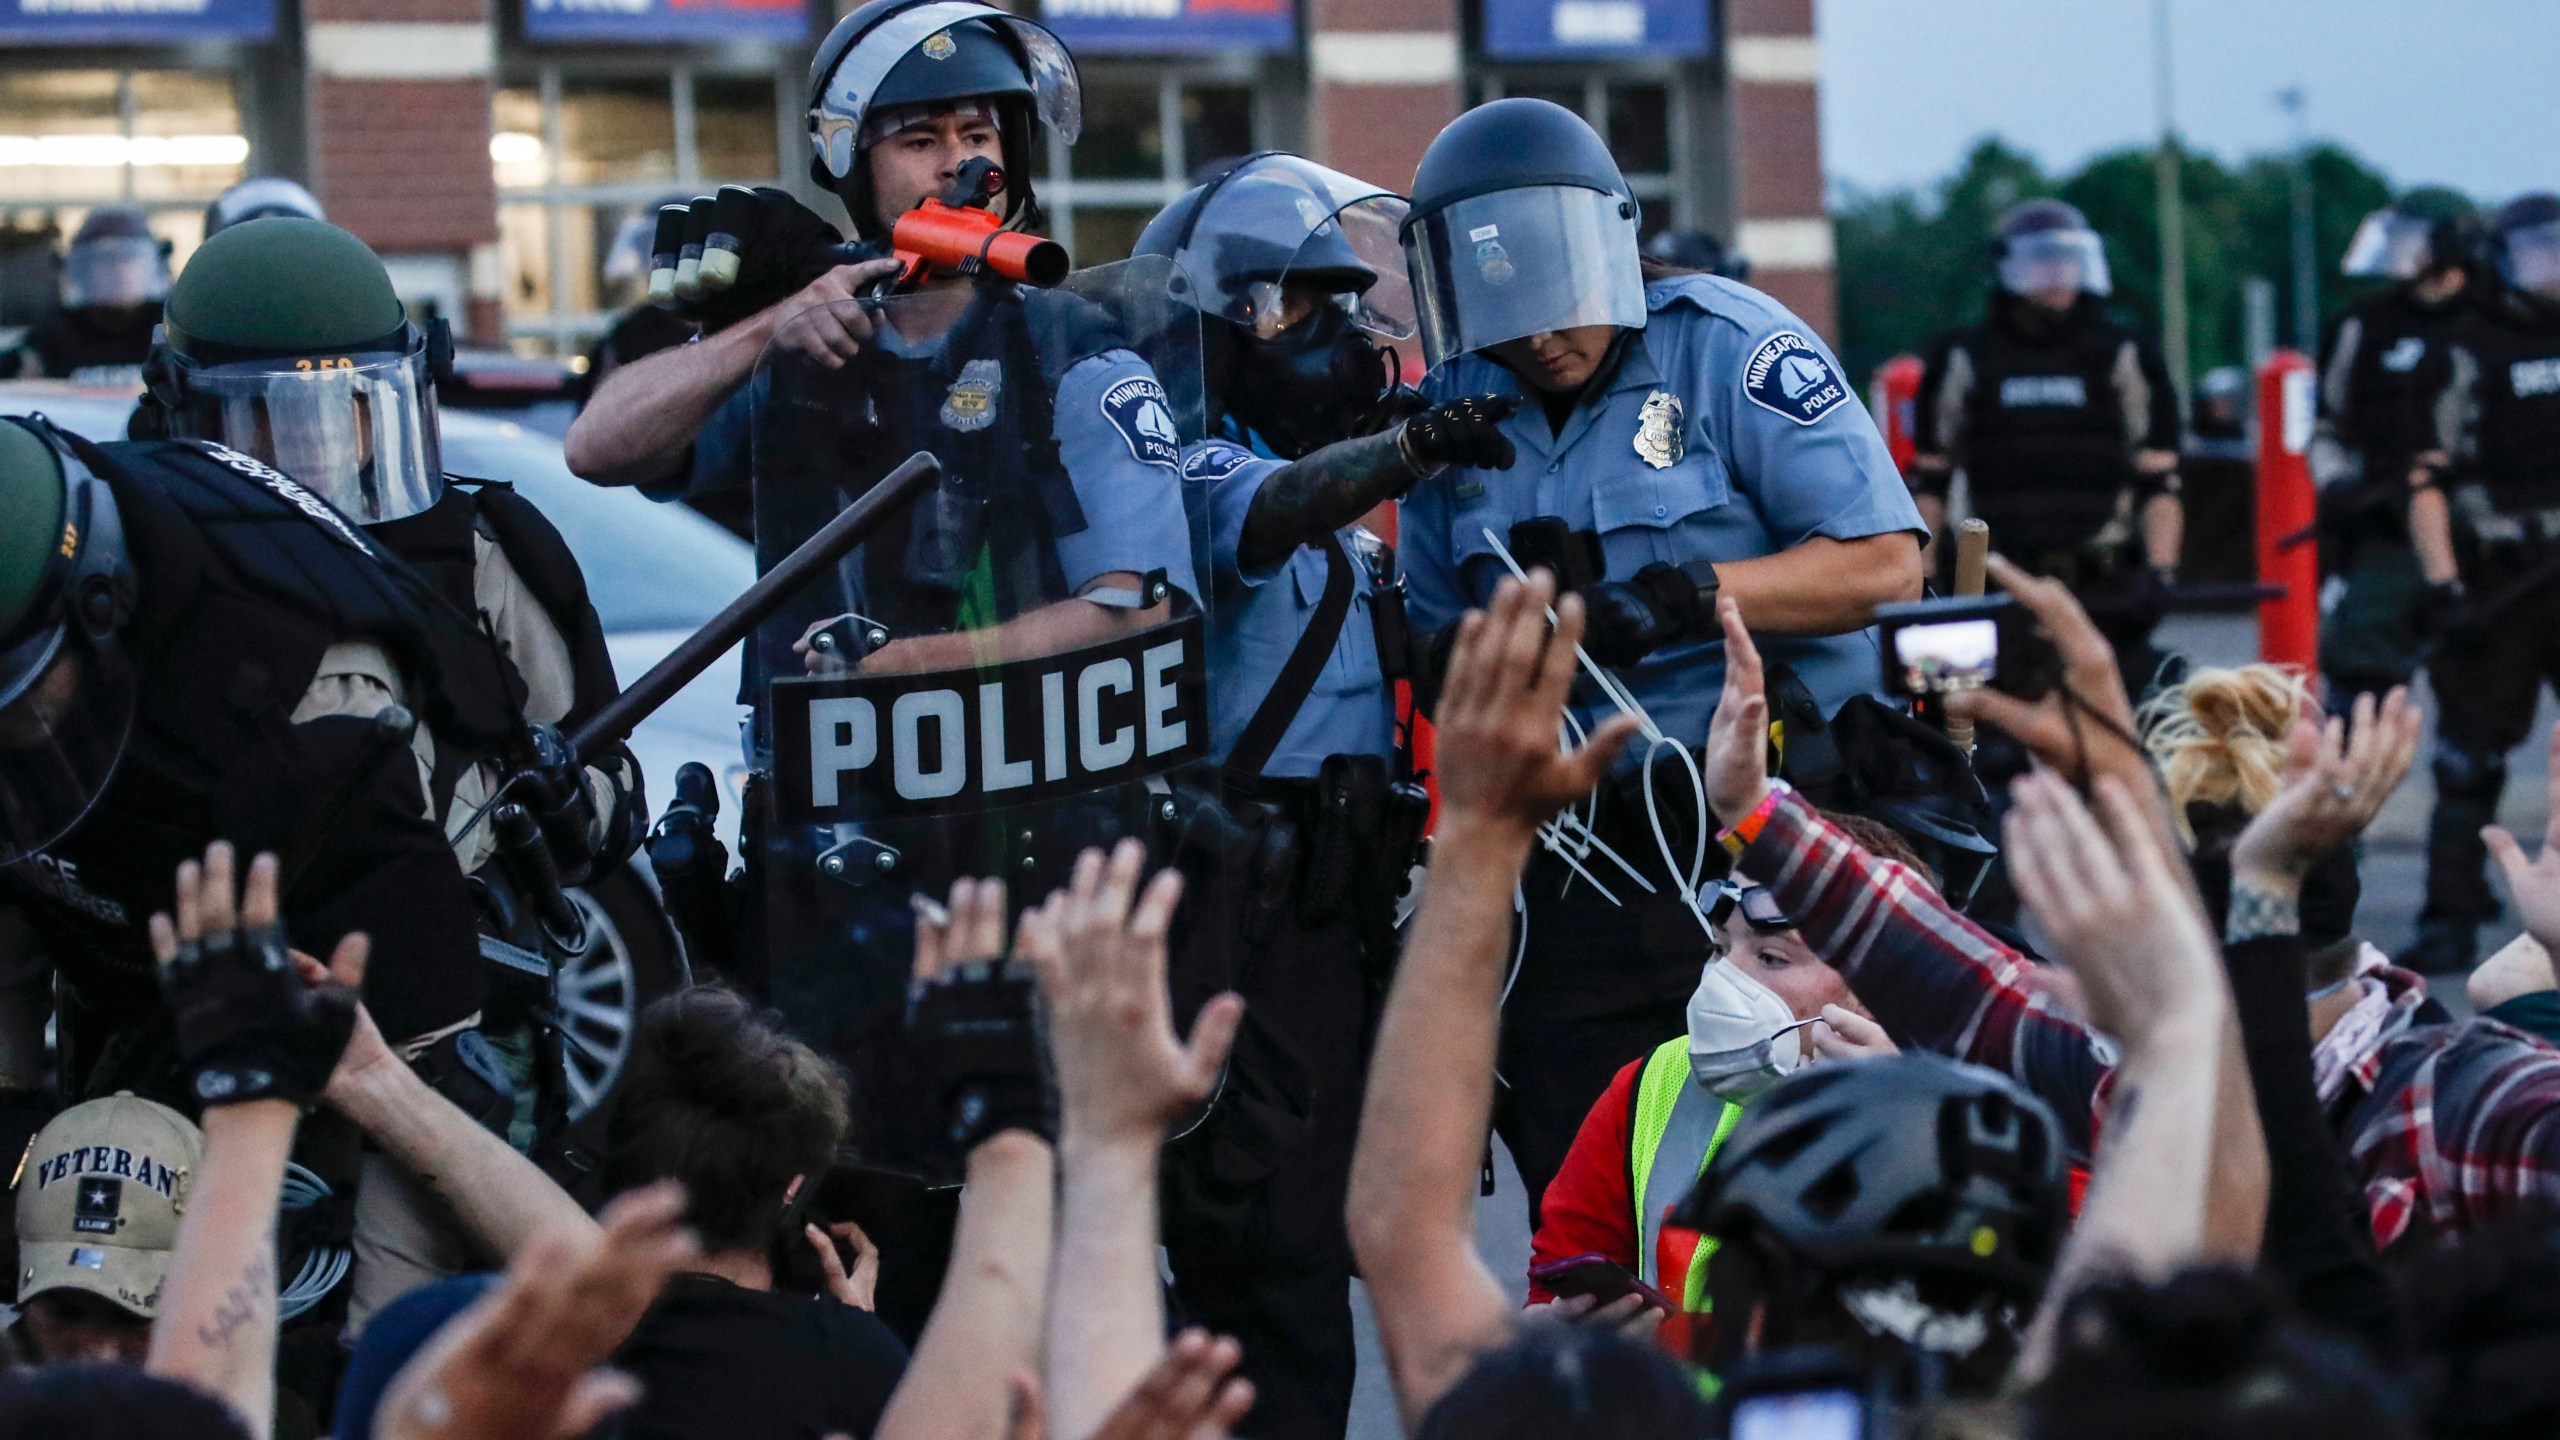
[[1801, 1415], [1942, 647], [1948, 656]]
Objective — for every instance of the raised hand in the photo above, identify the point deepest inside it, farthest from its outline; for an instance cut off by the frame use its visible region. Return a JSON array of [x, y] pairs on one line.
[[249, 1026], [1099, 946], [975, 1017], [2118, 912], [526, 1363], [1738, 738], [1501, 712], [2085, 727], [854, 1287], [2535, 882], [2337, 777], [1466, 432]]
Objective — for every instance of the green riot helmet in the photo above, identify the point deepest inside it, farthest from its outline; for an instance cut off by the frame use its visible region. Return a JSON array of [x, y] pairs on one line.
[[66, 588], [283, 340], [893, 59], [2429, 229]]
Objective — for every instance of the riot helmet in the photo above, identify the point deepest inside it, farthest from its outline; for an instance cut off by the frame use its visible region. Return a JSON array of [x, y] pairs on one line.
[[2046, 246], [284, 341], [262, 197], [2429, 229], [1698, 250], [1296, 271], [66, 589], [893, 62], [2525, 238], [1922, 1195], [115, 262], [1521, 224]]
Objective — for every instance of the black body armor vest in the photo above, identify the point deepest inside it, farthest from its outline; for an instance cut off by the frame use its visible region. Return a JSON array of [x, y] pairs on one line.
[[2047, 448], [2516, 341]]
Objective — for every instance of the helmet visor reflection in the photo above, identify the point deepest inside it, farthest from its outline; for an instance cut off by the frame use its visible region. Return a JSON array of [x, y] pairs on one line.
[[2388, 245], [2530, 258], [359, 430], [2048, 261], [1524, 262]]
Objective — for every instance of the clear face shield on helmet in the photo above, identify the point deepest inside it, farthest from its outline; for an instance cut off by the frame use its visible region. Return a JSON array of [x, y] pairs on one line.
[[1282, 232], [1523, 262], [358, 430], [836, 119], [2529, 259], [122, 270], [2389, 245], [2043, 262]]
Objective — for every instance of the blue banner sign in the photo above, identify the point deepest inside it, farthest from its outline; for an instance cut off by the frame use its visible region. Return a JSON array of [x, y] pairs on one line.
[[1570, 29], [644, 21], [1173, 26], [133, 22]]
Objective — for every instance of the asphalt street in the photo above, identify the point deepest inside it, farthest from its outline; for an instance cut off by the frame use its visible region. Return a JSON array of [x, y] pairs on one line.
[[2394, 876]]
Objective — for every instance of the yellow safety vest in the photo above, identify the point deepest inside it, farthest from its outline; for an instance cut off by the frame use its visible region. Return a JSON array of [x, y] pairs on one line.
[[1678, 1127]]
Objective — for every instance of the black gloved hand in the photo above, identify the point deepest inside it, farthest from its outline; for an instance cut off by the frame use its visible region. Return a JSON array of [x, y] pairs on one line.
[[2450, 616], [248, 1028], [554, 788], [1466, 432], [1664, 604], [724, 257], [977, 1026]]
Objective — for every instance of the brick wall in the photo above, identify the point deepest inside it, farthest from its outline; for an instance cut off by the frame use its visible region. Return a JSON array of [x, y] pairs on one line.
[[1773, 93], [1382, 81]]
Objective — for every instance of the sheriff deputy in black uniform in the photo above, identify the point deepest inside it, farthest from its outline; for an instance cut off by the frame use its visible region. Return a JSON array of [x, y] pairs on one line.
[[2065, 427], [2380, 363], [114, 277], [2484, 518]]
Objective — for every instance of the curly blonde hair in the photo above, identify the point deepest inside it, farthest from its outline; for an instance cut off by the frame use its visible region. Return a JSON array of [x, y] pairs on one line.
[[2219, 735]]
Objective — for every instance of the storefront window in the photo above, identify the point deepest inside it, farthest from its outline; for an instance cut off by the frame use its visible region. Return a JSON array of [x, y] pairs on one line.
[[577, 155], [1642, 119], [1146, 131], [166, 140]]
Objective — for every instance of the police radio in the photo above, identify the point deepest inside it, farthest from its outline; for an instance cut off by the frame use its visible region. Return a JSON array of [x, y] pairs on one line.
[[953, 233]]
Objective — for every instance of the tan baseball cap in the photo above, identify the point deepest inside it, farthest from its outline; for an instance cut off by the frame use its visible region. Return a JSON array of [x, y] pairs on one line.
[[99, 1194]]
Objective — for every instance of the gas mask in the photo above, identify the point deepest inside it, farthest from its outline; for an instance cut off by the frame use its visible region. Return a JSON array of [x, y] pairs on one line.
[[1319, 381], [1742, 1037]]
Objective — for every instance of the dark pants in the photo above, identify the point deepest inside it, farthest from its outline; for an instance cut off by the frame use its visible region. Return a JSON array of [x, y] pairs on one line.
[[2485, 690], [1254, 1199], [1599, 985]]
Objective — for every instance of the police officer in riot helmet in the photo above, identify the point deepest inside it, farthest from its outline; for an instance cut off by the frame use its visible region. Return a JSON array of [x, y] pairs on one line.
[[1699, 250], [2065, 426], [1681, 439], [2378, 363], [285, 342], [114, 277], [1299, 284], [193, 646], [260, 197], [2484, 518]]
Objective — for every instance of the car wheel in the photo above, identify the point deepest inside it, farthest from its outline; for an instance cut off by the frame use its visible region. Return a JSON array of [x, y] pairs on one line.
[[632, 959]]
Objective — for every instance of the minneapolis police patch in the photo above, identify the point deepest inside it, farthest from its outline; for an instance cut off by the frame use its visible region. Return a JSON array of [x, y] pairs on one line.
[[1216, 461], [1138, 409], [1788, 375]]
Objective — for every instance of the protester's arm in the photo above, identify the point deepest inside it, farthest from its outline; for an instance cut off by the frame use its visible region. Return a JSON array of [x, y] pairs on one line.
[[639, 426], [502, 1199], [2318, 1237], [256, 1046], [1191, 1394], [1422, 1131], [2131, 930], [1935, 979], [2535, 882], [528, 1361], [1123, 1078], [984, 1334]]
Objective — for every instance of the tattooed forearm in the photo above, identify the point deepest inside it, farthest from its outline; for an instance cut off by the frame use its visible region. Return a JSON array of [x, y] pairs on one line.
[[1311, 497], [250, 1302], [2259, 910]]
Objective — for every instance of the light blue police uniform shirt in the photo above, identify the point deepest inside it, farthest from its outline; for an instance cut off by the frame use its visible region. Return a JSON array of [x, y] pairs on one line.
[[1774, 449], [1256, 618], [1122, 462]]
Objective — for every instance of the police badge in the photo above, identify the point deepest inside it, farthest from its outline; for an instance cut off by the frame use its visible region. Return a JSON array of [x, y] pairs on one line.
[[971, 405], [1658, 438], [939, 45]]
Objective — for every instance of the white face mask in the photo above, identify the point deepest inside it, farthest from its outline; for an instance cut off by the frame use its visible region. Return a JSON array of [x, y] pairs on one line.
[[1742, 1037]]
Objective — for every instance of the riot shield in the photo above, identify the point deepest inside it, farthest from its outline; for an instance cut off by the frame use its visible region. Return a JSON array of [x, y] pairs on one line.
[[1012, 670]]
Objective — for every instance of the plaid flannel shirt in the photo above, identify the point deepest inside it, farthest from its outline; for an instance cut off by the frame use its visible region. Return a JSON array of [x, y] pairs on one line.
[[2461, 1127]]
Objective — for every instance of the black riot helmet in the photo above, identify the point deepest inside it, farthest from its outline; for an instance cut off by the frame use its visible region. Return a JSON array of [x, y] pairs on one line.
[[2431, 228], [1698, 250], [1875, 1185], [2524, 239], [66, 589], [115, 262], [1521, 224], [893, 56], [261, 197], [2042, 245], [1871, 760], [1296, 272]]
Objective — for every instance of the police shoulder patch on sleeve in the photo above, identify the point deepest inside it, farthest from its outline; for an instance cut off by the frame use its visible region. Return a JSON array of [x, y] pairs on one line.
[[1215, 461], [1789, 375], [1138, 409]]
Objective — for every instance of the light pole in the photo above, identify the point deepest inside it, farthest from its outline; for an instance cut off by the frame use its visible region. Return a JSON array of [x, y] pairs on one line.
[[2172, 208], [2306, 269]]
